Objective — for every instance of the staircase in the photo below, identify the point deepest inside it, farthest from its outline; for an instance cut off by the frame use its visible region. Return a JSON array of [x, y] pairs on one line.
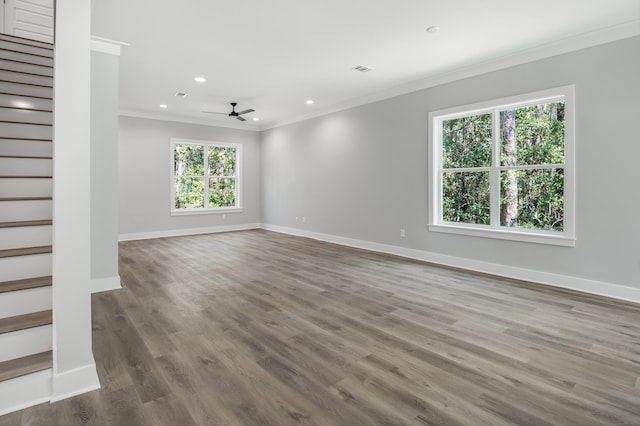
[[26, 92]]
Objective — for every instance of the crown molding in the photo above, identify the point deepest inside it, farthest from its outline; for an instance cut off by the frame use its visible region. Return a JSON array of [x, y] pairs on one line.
[[178, 119], [546, 50]]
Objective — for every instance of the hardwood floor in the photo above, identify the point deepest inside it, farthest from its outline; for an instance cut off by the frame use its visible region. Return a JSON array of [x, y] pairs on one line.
[[260, 328]]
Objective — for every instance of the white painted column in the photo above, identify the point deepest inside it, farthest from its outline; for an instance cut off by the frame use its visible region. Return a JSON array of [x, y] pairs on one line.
[[74, 369], [104, 164]]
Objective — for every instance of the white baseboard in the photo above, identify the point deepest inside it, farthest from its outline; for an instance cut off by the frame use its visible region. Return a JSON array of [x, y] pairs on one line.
[[190, 231], [105, 284], [600, 288], [75, 382], [25, 391]]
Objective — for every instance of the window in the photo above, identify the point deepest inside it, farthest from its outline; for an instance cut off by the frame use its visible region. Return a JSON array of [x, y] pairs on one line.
[[205, 177], [504, 168]]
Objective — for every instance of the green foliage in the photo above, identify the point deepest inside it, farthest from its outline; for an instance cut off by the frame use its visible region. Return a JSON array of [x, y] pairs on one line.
[[466, 142], [222, 161], [189, 193], [190, 178], [466, 197], [222, 192], [188, 160], [540, 135], [541, 199]]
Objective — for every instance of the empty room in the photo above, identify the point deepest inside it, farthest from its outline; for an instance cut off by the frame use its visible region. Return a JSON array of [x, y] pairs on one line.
[[321, 213]]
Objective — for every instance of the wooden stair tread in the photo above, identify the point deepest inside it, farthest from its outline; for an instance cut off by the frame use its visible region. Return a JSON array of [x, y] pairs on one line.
[[25, 109], [26, 62], [39, 55], [29, 42], [25, 223], [25, 251], [44, 74], [3, 68], [26, 96], [23, 322], [24, 284], [25, 177], [24, 83], [25, 198], [26, 122], [25, 156], [25, 365], [14, 139]]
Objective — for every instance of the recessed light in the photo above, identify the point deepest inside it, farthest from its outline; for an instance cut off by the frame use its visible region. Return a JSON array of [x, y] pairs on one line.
[[433, 29], [164, 106], [256, 119], [200, 80], [309, 101]]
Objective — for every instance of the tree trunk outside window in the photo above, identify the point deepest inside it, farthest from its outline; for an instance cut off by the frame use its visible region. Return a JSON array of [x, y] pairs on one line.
[[509, 212]]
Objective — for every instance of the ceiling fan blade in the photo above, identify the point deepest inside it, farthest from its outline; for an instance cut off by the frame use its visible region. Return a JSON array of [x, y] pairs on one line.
[[246, 111], [212, 112], [241, 119]]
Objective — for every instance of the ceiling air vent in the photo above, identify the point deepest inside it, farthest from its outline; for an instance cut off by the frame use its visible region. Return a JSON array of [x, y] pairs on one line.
[[362, 68], [180, 95]]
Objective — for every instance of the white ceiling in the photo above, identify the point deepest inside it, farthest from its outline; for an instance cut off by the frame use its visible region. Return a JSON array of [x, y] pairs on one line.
[[272, 55]]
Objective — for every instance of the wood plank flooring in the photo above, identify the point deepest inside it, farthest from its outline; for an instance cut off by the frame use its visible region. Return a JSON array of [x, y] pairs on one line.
[[260, 328]]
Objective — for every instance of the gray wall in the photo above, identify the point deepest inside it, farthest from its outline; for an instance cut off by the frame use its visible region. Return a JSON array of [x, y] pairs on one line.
[[104, 165], [144, 175], [362, 173]]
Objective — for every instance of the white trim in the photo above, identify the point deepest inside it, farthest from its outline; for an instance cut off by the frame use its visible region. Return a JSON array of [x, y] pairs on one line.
[[459, 72], [555, 94], [566, 237], [25, 391], [105, 45], [217, 210], [75, 382], [615, 291], [105, 284], [238, 173], [178, 119], [524, 235], [190, 231]]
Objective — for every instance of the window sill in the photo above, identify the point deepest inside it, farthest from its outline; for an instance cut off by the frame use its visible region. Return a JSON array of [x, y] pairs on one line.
[[524, 236], [219, 210]]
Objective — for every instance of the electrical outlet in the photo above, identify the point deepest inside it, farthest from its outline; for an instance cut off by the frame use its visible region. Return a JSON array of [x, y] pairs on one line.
[[402, 233], [224, 216], [304, 219], [296, 218]]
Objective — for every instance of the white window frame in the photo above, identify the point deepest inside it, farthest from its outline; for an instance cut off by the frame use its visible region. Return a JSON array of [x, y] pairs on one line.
[[494, 230], [237, 177]]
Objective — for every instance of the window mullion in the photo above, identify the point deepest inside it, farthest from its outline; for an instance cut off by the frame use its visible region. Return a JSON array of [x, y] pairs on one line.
[[494, 176], [173, 175], [438, 175], [206, 176]]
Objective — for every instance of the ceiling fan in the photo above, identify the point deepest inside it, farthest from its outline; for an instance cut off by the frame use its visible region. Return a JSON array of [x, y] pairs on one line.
[[233, 112]]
